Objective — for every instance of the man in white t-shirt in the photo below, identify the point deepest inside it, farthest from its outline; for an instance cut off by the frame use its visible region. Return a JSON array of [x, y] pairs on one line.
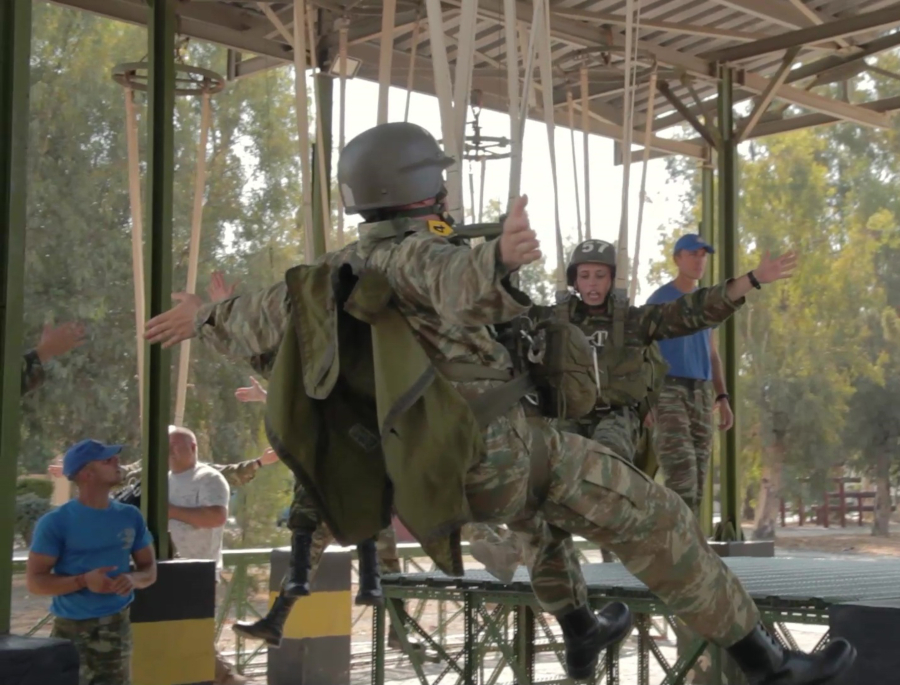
[[198, 510]]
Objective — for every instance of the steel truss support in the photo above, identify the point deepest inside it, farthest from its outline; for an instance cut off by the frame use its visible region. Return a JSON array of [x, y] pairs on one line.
[[730, 525], [158, 266], [15, 51]]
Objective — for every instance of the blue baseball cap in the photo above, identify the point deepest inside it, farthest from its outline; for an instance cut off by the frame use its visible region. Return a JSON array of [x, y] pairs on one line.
[[84, 453], [692, 241]]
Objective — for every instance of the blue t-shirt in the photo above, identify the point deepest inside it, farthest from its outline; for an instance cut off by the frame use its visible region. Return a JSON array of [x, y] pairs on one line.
[[83, 538], [688, 356]]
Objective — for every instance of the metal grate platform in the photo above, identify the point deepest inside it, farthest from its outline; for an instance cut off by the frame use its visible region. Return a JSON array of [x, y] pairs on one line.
[[819, 582]]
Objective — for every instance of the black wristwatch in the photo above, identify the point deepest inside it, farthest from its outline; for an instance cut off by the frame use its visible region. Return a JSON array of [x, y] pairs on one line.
[[723, 396], [753, 280]]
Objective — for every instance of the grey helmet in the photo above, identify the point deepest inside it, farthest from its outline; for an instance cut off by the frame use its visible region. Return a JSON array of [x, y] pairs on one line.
[[591, 252], [391, 165]]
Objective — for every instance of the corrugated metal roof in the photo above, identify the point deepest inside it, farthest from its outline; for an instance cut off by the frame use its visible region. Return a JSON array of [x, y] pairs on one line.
[[675, 36]]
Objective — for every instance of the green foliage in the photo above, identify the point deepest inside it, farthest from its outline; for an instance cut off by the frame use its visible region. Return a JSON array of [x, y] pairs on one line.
[[39, 487]]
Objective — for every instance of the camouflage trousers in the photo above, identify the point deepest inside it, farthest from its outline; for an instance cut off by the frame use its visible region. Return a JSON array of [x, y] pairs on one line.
[[104, 647], [620, 430], [611, 503], [684, 437]]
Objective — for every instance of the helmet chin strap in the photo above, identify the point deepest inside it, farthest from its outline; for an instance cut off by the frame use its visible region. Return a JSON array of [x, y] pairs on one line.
[[437, 208]]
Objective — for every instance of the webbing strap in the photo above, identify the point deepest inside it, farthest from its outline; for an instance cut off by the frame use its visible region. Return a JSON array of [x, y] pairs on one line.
[[461, 372], [539, 474], [494, 403], [620, 309]]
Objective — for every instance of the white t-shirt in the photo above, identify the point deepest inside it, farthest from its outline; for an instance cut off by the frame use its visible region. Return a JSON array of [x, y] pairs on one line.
[[201, 486]]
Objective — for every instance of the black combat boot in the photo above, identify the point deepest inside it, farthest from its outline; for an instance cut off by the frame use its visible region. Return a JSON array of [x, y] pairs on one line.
[[586, 634], [297, 582], [369, 593], [268, 628], [765, 662]]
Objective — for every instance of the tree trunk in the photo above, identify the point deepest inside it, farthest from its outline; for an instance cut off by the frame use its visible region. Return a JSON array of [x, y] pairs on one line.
[[882, 519], [768, 503], [749, 513]]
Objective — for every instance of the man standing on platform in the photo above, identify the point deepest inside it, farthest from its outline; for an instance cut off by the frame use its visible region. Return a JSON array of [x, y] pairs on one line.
[[198, 510], [684, 416]]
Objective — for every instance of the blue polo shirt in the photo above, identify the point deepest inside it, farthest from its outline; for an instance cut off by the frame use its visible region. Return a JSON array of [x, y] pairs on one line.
[[83, 538], [687, 356]]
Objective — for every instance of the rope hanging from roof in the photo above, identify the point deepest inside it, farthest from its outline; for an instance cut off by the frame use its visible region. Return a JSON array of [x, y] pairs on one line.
[[343, 29], [412, 65], [320, 133], [648, 134], [389, 12], [300, 91]]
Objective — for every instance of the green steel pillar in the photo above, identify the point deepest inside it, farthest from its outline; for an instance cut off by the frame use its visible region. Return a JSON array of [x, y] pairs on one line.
[[158, 266], [324, 110], [708, 233], [15, 53], [729, 528]]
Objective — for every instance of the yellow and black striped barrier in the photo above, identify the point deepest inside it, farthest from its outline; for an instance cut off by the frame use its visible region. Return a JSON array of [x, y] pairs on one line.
[[315, 649], [173, 625]]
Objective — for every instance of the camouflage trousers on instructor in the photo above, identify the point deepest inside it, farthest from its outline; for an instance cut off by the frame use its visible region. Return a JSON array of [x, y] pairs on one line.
[[608, 501], [684, 437], [104, 647]]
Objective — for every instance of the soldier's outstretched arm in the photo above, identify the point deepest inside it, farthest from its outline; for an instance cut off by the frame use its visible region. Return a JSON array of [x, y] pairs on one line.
[[709, 307], [243, 326], [466, 287]]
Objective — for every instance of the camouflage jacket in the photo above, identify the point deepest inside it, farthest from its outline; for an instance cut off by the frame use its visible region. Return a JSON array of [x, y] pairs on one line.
[[235, 474], [32, 372], [449, 295]]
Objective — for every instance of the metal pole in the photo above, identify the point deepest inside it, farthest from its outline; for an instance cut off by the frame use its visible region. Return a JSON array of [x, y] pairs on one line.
[[160, 188], [730, 528], [708, 233], [15, 53]]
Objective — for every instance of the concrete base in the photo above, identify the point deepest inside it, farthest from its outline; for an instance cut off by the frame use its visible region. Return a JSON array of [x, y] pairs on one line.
[[37, 661], [747, 548]]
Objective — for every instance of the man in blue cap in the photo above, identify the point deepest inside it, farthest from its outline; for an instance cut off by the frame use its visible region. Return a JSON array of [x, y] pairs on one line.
[[80, 555], [684, 415]]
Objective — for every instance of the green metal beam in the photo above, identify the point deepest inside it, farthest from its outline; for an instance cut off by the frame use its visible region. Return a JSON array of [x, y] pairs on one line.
[[158, 267], [708, 233], [15, 53], [729, 527]]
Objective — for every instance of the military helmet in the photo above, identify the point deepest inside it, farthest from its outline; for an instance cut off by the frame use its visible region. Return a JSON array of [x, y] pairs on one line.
[[590, 252], [390, 165]]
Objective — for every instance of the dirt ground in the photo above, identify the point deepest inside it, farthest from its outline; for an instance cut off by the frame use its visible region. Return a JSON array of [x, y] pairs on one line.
[[853, 540]]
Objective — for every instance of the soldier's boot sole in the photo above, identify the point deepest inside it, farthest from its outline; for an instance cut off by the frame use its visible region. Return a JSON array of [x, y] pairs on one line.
[[612, 625], [498, 560]]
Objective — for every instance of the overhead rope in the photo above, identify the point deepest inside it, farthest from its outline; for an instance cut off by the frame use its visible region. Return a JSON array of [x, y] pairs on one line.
[[632, 26], [321, 152], [465, 62], [585, 127], [570, 101], [184, 358], [343, 29], [300, 94], [545, 68], [389, 11], [444, 92], [410, 76], [642, 198], [512, 91]]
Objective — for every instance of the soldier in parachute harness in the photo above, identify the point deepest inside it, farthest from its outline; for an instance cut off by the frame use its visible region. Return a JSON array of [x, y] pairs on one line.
[[435, 422]]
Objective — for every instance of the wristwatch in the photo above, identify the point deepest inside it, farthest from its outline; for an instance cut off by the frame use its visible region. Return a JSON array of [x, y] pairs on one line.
[[723, 396], [753, 280]]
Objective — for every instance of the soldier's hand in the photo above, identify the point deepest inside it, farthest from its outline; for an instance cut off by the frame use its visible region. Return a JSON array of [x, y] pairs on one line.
[[219, 289], [175, 325], [97, 580], [57, 341], [123, 584], [254, 393], [268, 457], [771, 270], [519, 244], [726, 416]]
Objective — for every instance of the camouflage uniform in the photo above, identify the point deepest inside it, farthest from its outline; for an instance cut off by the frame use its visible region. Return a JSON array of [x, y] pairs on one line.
[[104, 647], [32, 372], [684, 437], [235, 475]]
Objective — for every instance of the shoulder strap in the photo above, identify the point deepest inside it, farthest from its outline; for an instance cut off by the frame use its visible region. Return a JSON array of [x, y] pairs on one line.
[[620, 310]]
